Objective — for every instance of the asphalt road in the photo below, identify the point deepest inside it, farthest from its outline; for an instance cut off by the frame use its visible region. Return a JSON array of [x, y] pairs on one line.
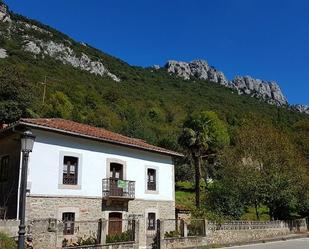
[[288, 244]]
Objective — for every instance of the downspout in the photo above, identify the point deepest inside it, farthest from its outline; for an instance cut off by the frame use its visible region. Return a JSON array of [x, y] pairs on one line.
[[19, 183]]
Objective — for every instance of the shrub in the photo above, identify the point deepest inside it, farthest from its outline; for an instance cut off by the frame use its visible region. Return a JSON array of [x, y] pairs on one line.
[[122, 237], [172, 234], [6, 242], [86, 241]]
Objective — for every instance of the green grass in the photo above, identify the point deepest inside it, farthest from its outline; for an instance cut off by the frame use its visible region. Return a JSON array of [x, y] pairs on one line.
[[185, 194], [185, 199], [250, 214]]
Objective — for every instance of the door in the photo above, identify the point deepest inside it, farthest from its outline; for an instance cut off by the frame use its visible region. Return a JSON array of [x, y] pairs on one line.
[[115, 223], [116, 174]]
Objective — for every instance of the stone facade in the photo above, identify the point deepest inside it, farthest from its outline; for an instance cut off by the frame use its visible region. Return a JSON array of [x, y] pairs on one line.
[[93, 209], [43, 207], [52, 207], [164, 210]]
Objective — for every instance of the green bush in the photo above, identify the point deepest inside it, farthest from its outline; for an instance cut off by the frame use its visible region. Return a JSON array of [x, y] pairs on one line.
[[122, 237], [172, 234], [86, 241], [6, 242]]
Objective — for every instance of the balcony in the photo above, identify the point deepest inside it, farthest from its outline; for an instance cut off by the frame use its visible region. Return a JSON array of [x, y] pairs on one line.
[[118, 189]]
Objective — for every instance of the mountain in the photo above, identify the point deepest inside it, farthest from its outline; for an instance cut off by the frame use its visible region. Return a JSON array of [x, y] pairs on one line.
[[199, 69], [45, 73]]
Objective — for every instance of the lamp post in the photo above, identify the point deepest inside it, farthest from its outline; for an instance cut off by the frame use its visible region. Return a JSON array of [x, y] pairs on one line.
[[27, 141]]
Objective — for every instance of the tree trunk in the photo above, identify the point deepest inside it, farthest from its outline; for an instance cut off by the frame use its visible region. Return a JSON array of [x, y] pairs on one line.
[[197, 166], [271, 213], [256, 206]]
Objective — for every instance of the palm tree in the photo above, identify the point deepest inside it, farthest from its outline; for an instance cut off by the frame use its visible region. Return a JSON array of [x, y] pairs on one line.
[[201, 134]]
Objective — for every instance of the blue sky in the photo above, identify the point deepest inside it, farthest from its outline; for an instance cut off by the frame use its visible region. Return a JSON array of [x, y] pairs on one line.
[[267, 39]]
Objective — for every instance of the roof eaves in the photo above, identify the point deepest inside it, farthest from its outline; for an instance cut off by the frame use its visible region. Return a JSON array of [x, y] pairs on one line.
[[44, 127]]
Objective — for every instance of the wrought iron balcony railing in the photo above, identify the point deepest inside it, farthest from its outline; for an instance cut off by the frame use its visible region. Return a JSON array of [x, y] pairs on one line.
[[117, 188]]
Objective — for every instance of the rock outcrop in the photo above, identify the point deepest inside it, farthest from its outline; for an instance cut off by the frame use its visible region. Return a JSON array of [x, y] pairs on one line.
[[3, 53], [301, 108], [199, 69], [40, 41], [267, 90], [4, 13], [66, 55], [196, 69]]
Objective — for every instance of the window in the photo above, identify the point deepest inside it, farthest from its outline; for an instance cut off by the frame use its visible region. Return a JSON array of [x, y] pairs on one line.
[[70, 170], [151, 182], [68, 222], [151, 221], [4, 168]]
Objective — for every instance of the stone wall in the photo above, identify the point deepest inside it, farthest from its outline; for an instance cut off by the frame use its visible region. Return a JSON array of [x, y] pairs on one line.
[[10, 227], [52, 207], [90, 209], [229, 236], [164, 210], [48, 234], [42, 207], [234, 232], [223, 237]]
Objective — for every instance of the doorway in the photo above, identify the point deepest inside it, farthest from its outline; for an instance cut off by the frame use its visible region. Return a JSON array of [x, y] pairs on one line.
[[116, 175], [114, 223]]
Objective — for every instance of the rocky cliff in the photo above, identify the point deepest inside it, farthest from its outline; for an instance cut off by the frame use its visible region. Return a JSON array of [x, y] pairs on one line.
[[41, 42], [301, 108], [199, 69], [4, 13], [196, 69], [266, 90]]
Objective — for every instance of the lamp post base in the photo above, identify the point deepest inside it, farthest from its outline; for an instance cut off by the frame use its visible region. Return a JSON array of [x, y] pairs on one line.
[[21, 237]]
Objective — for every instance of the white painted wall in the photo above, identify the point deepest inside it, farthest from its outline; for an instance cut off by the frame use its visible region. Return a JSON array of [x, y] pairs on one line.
[[44, 166]]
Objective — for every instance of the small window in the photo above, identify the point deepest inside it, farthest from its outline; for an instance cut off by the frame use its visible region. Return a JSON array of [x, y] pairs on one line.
[[70, 170], [151, 182], [4, 168], [151, 221], [68, 222]]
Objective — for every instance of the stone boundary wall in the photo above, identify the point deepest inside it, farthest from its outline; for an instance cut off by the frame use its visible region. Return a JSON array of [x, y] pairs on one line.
[[223, 237], [234, 236], [233, 232]]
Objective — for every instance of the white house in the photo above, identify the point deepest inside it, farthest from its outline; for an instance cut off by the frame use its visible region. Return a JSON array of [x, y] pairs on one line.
[[79, 172]]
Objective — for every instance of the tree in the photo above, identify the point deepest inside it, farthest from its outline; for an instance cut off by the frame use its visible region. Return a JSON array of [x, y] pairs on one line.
[[202, 133], [266, 168], [59, 106], [15, 95]]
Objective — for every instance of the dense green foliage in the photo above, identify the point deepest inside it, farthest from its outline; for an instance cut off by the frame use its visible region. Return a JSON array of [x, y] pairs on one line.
[[262, 168]]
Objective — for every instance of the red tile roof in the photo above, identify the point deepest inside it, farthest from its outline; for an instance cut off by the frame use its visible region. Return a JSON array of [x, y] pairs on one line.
[[87, 131]]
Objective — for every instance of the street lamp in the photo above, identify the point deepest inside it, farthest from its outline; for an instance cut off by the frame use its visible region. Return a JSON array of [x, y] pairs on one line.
[[27, 141]]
